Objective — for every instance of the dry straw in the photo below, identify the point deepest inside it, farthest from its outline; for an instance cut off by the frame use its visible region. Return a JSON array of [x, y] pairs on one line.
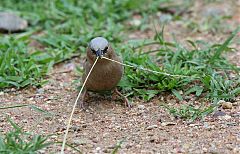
[[145, 69], [74, 106]]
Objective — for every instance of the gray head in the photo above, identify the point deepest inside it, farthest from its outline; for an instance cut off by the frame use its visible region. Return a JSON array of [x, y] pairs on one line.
[[99, 46]]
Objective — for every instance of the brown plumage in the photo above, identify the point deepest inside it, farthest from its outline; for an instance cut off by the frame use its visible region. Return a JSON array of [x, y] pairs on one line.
[[105, 75]]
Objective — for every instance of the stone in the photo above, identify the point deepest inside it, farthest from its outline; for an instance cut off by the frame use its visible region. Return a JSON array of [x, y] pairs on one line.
[[151, 127], [236, 103], [10, 22], [80, 142], [40, 91], [141, 107], [168, 123], [226, 117], [219, 113], [227, 105], [136, 22]]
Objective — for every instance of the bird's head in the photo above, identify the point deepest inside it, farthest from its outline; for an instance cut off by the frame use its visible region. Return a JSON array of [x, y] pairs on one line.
[[99, 47]]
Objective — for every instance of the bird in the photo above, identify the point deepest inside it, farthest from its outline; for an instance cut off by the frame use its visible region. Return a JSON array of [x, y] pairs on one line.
[[106, 74]]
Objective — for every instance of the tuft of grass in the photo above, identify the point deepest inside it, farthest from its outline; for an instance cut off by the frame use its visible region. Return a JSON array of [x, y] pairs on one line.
[[205, 65], [190, 112], [17, 141], [118, 146], [18, 67]]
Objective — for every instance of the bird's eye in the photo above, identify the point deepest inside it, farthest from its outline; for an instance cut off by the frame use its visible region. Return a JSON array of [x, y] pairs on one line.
[[105, 50], [93, 51]]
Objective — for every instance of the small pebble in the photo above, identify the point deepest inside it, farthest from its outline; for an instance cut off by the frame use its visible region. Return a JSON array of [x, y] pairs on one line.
[[24, 121], [98, 149], [193, 125], [75, 128], [107, 151], [150, 134], [151, 127], [205, 149], [95, 140], [153, 139], [219, 113], [111, 147], [168, 123], [227, 105], [80, 142], [40, 91], [236, 103], [226, 117], [135, 22], [141, 107], [207, 126]]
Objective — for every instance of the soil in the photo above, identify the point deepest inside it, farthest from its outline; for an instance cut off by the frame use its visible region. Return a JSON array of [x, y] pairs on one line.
[[145, 128]]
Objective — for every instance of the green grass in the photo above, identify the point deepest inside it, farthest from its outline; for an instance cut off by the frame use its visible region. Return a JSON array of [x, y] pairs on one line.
[[18, 67], [17, 141], [206, 68], [190, 112], [63, 27], [118, 146]]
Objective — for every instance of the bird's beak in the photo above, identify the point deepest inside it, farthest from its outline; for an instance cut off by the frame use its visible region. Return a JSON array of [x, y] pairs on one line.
[[99, 53]]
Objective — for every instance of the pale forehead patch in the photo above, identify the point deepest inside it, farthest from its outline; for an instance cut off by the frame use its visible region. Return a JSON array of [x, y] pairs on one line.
[[98, 43]]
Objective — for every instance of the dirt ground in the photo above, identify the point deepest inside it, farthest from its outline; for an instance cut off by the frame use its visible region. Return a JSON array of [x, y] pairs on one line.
[[146, 128]]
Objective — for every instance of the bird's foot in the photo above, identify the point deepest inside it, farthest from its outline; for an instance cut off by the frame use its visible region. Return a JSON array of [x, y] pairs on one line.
[[80, 104], [82, 99], [126, 101]]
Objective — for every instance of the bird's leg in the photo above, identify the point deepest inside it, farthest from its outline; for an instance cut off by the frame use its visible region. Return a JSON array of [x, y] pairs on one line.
[[127, 104], [82, 98]]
